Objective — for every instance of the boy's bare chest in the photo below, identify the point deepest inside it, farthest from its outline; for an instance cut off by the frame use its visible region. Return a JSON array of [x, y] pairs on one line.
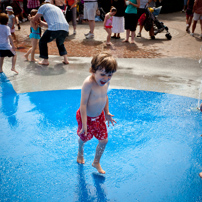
[[98, 93]]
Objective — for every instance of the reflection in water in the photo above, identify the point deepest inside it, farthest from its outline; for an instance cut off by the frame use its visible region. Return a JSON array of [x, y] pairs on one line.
[[87, 192], [9, 100], [100, 188]]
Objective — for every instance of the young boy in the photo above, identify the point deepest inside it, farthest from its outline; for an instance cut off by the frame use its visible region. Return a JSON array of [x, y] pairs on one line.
[[7, 47], [94, 107]]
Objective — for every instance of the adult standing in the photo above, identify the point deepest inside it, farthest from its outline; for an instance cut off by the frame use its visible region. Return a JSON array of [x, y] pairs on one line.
[[58, 29], [72, 7], [32, 4], [59, 3], [197, 9], [118, 18], [131, 19], [90, 7]]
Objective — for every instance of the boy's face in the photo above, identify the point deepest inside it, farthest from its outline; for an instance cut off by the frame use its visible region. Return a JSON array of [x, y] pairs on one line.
[[101, 77]]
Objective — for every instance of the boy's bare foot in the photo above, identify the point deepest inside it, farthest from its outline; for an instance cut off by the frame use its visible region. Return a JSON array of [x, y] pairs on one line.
[[126, 41], [26, 57], [98, 167], [43, 63], [14, 70], [80, 159], [132, 41]]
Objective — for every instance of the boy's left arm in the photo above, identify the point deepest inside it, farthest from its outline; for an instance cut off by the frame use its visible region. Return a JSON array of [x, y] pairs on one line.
[[108, 116]]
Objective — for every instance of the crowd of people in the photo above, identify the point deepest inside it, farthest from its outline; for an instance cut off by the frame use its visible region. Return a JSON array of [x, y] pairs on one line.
[[121, 16]]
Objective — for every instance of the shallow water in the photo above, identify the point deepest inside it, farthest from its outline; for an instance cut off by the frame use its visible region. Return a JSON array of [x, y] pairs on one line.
[[153, 154]]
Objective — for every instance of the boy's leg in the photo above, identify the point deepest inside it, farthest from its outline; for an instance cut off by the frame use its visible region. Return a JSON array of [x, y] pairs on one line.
[[80, 158], [1, 64], [13, 64], [99, 151]]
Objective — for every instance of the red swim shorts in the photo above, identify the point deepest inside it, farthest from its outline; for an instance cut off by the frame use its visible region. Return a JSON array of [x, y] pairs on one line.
[[95, 127]]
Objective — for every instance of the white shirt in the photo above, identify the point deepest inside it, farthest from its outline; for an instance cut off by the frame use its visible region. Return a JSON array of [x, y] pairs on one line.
[[4, 40], [54, 17]]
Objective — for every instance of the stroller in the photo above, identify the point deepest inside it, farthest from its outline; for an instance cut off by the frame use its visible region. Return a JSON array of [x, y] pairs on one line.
[[151, 20]]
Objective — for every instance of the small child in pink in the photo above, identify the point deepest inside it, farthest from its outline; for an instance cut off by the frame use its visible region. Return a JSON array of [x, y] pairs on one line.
[[108, 23]]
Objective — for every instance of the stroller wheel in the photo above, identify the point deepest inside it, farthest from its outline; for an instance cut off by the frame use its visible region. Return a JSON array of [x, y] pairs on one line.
[[168, 36]]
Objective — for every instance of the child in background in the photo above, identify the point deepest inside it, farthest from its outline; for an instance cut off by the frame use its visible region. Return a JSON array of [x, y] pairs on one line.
[[108, 23], [94, 107], [11, 20], [35, 35], [7, 47]]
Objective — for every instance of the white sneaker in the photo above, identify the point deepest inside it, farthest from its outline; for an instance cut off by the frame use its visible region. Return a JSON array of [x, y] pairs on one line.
[[192, 34], [87, 34], [139, 34], [90, 36], [74, 32]]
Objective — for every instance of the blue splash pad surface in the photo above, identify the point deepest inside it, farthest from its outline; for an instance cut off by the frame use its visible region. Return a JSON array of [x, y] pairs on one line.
[[153, 154]]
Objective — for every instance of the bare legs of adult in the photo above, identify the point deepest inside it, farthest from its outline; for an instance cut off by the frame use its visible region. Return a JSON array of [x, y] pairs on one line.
[[127, 35], [132, 36], [193, 28], [90, 35], [92, 26]]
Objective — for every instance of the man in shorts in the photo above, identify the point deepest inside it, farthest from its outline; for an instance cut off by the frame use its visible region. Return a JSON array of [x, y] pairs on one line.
[[90, 7], [197, 9]]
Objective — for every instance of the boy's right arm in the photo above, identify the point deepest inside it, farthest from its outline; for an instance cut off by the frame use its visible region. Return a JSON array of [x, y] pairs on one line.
[[85, 93]]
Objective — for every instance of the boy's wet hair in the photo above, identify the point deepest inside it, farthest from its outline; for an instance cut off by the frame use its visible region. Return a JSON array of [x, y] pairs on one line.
[[33, 12], [105, 61], [3, 19]]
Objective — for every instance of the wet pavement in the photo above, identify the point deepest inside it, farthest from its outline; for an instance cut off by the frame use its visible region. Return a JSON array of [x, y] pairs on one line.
[[160, 65], [154, 150]]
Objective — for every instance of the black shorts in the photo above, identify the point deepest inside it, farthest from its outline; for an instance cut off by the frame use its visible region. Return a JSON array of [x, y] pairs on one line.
[[131, 21], [6, 53]]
